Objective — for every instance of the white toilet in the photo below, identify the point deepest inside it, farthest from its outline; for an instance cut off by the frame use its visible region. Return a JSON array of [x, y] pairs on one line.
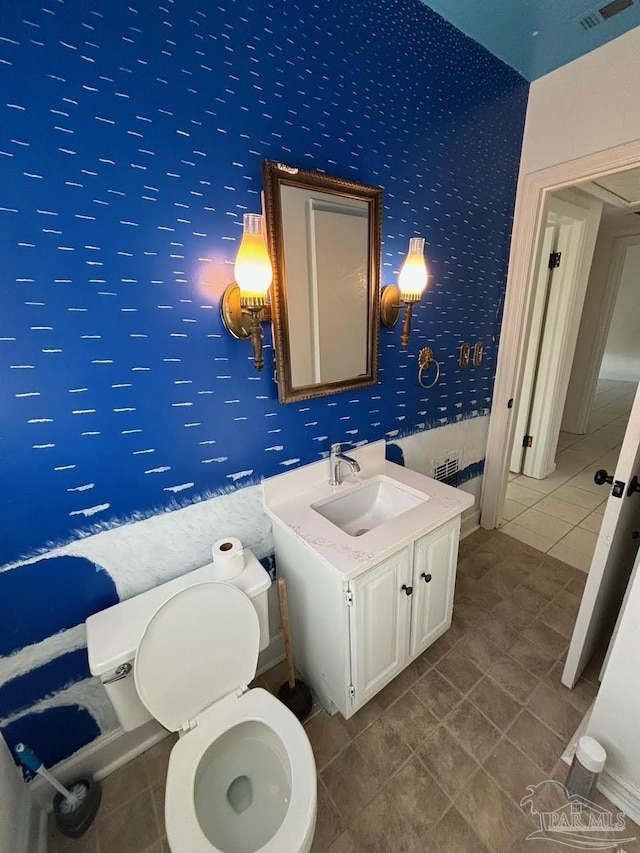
[[242, 776]]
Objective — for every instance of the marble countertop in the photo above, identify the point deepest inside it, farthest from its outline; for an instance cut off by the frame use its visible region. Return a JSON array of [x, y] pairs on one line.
[[288, 500]]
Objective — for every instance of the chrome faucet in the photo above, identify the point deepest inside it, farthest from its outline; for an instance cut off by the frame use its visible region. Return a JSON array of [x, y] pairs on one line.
[[337, 456]]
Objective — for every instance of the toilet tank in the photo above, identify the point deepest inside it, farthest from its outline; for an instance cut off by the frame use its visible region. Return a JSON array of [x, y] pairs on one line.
[[113, 635]]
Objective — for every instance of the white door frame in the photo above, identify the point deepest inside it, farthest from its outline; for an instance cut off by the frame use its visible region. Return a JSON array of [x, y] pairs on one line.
[[578, 222], [514, 338]]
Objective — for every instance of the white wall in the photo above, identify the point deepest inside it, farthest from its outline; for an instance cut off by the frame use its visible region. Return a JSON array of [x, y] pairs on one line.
[[622, 351], [589, 105], [615, 718], [595, 314], [13, 803]]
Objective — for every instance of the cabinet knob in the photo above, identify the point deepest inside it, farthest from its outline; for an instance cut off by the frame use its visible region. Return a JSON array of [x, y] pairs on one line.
[[427, 578], [408, 589]]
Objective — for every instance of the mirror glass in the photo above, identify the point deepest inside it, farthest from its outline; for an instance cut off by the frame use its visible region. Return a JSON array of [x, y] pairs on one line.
[[324, 237]]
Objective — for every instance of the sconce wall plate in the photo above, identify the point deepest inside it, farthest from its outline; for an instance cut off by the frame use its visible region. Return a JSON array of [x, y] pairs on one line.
[[236, 320], [390, 305]]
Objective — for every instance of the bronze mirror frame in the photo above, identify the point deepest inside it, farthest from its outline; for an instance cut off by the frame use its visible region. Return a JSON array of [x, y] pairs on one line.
[[275, 175]]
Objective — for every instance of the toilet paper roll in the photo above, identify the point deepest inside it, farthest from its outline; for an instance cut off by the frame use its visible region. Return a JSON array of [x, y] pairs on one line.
[[228, 557]]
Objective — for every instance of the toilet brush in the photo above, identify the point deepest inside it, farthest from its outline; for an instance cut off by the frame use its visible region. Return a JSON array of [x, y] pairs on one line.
[[75, 807], [294, 693]]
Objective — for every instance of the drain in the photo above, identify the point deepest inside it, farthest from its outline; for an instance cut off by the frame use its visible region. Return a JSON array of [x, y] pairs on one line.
[[240, 794], [362, 531]]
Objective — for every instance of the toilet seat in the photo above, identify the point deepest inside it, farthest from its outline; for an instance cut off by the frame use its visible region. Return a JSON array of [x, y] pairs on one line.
[[296, 830], [196, 656], [200, 645]]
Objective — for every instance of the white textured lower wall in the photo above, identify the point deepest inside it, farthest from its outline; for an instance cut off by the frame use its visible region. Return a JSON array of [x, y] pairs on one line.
[[146, 553], [14, 809]]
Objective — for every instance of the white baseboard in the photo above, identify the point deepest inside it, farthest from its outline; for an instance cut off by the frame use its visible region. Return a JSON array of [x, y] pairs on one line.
[[99, 758], [622, 794], [470, 524]]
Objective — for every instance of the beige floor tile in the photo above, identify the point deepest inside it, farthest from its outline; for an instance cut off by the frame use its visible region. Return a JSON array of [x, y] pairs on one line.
[[344, 844], [560, 619], [451, 766], [551, 505], [521, 493], [512, 770], [382, 747], [452, 834], [592, 522], [329, 824], [460, 671], [582, 541], [541, 543], [543, 524], [497, 705], [328, 736], [579, 497], [545, 638], [584, 480], [511, 509], [436, 693], [513, 678], [561, 717], [156, 759], [472, 730], [120, 787], [498, 822], [351, 782], [131, 828], [573, 558], [410, 719], [537, 741], [532, 658]]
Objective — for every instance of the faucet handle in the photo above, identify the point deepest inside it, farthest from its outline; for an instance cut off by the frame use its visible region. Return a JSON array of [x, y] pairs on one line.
[[335, 449]]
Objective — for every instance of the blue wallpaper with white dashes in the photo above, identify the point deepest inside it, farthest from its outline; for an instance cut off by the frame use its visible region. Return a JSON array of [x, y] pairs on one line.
[[132, 137]]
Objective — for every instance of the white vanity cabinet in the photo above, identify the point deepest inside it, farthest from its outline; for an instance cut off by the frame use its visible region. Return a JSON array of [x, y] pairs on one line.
[[352, 637]]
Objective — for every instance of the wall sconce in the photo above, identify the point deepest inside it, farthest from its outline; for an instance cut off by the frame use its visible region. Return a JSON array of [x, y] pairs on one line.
[[412, 282], [244, 303]]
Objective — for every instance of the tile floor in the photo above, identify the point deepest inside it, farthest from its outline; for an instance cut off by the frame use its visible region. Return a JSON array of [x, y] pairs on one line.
[[561, 515], [439, 760]]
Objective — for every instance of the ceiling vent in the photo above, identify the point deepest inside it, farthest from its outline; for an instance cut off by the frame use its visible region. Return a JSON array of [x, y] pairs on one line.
[[603, 13]]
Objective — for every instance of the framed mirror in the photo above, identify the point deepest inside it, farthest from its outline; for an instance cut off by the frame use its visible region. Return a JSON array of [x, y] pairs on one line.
[[324, 237]]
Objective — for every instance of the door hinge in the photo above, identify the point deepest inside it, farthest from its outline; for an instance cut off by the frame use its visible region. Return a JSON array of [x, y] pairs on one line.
[[527, 441], [352, 692], [349, 598], [554, 260]]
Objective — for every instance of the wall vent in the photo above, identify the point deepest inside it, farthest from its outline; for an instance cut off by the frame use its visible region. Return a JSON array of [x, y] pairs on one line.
[[446, 471], [603, 13]]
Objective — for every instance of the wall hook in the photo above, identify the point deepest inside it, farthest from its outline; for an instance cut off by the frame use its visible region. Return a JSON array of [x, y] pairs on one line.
[[425, 360]]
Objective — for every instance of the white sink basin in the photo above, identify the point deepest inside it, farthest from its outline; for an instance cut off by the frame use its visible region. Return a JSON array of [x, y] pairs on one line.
[[368, 505]]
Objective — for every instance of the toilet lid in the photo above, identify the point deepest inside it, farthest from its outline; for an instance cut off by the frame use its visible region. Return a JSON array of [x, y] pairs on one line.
[[199, 646]]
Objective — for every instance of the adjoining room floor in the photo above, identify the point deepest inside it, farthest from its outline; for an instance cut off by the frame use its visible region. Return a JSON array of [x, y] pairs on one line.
[[561, 515], [440, 759]]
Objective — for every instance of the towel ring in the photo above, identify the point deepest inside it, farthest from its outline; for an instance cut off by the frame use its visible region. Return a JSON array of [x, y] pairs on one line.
[[425, 360]]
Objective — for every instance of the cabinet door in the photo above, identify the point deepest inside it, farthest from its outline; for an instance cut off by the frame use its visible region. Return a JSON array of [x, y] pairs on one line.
[[434, 572], [380, 625]]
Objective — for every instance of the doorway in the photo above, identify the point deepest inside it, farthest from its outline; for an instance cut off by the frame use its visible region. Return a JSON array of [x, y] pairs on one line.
[[580, 368]]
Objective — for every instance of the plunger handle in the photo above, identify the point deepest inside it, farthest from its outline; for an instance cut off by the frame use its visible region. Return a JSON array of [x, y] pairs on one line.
[[284, 609]]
